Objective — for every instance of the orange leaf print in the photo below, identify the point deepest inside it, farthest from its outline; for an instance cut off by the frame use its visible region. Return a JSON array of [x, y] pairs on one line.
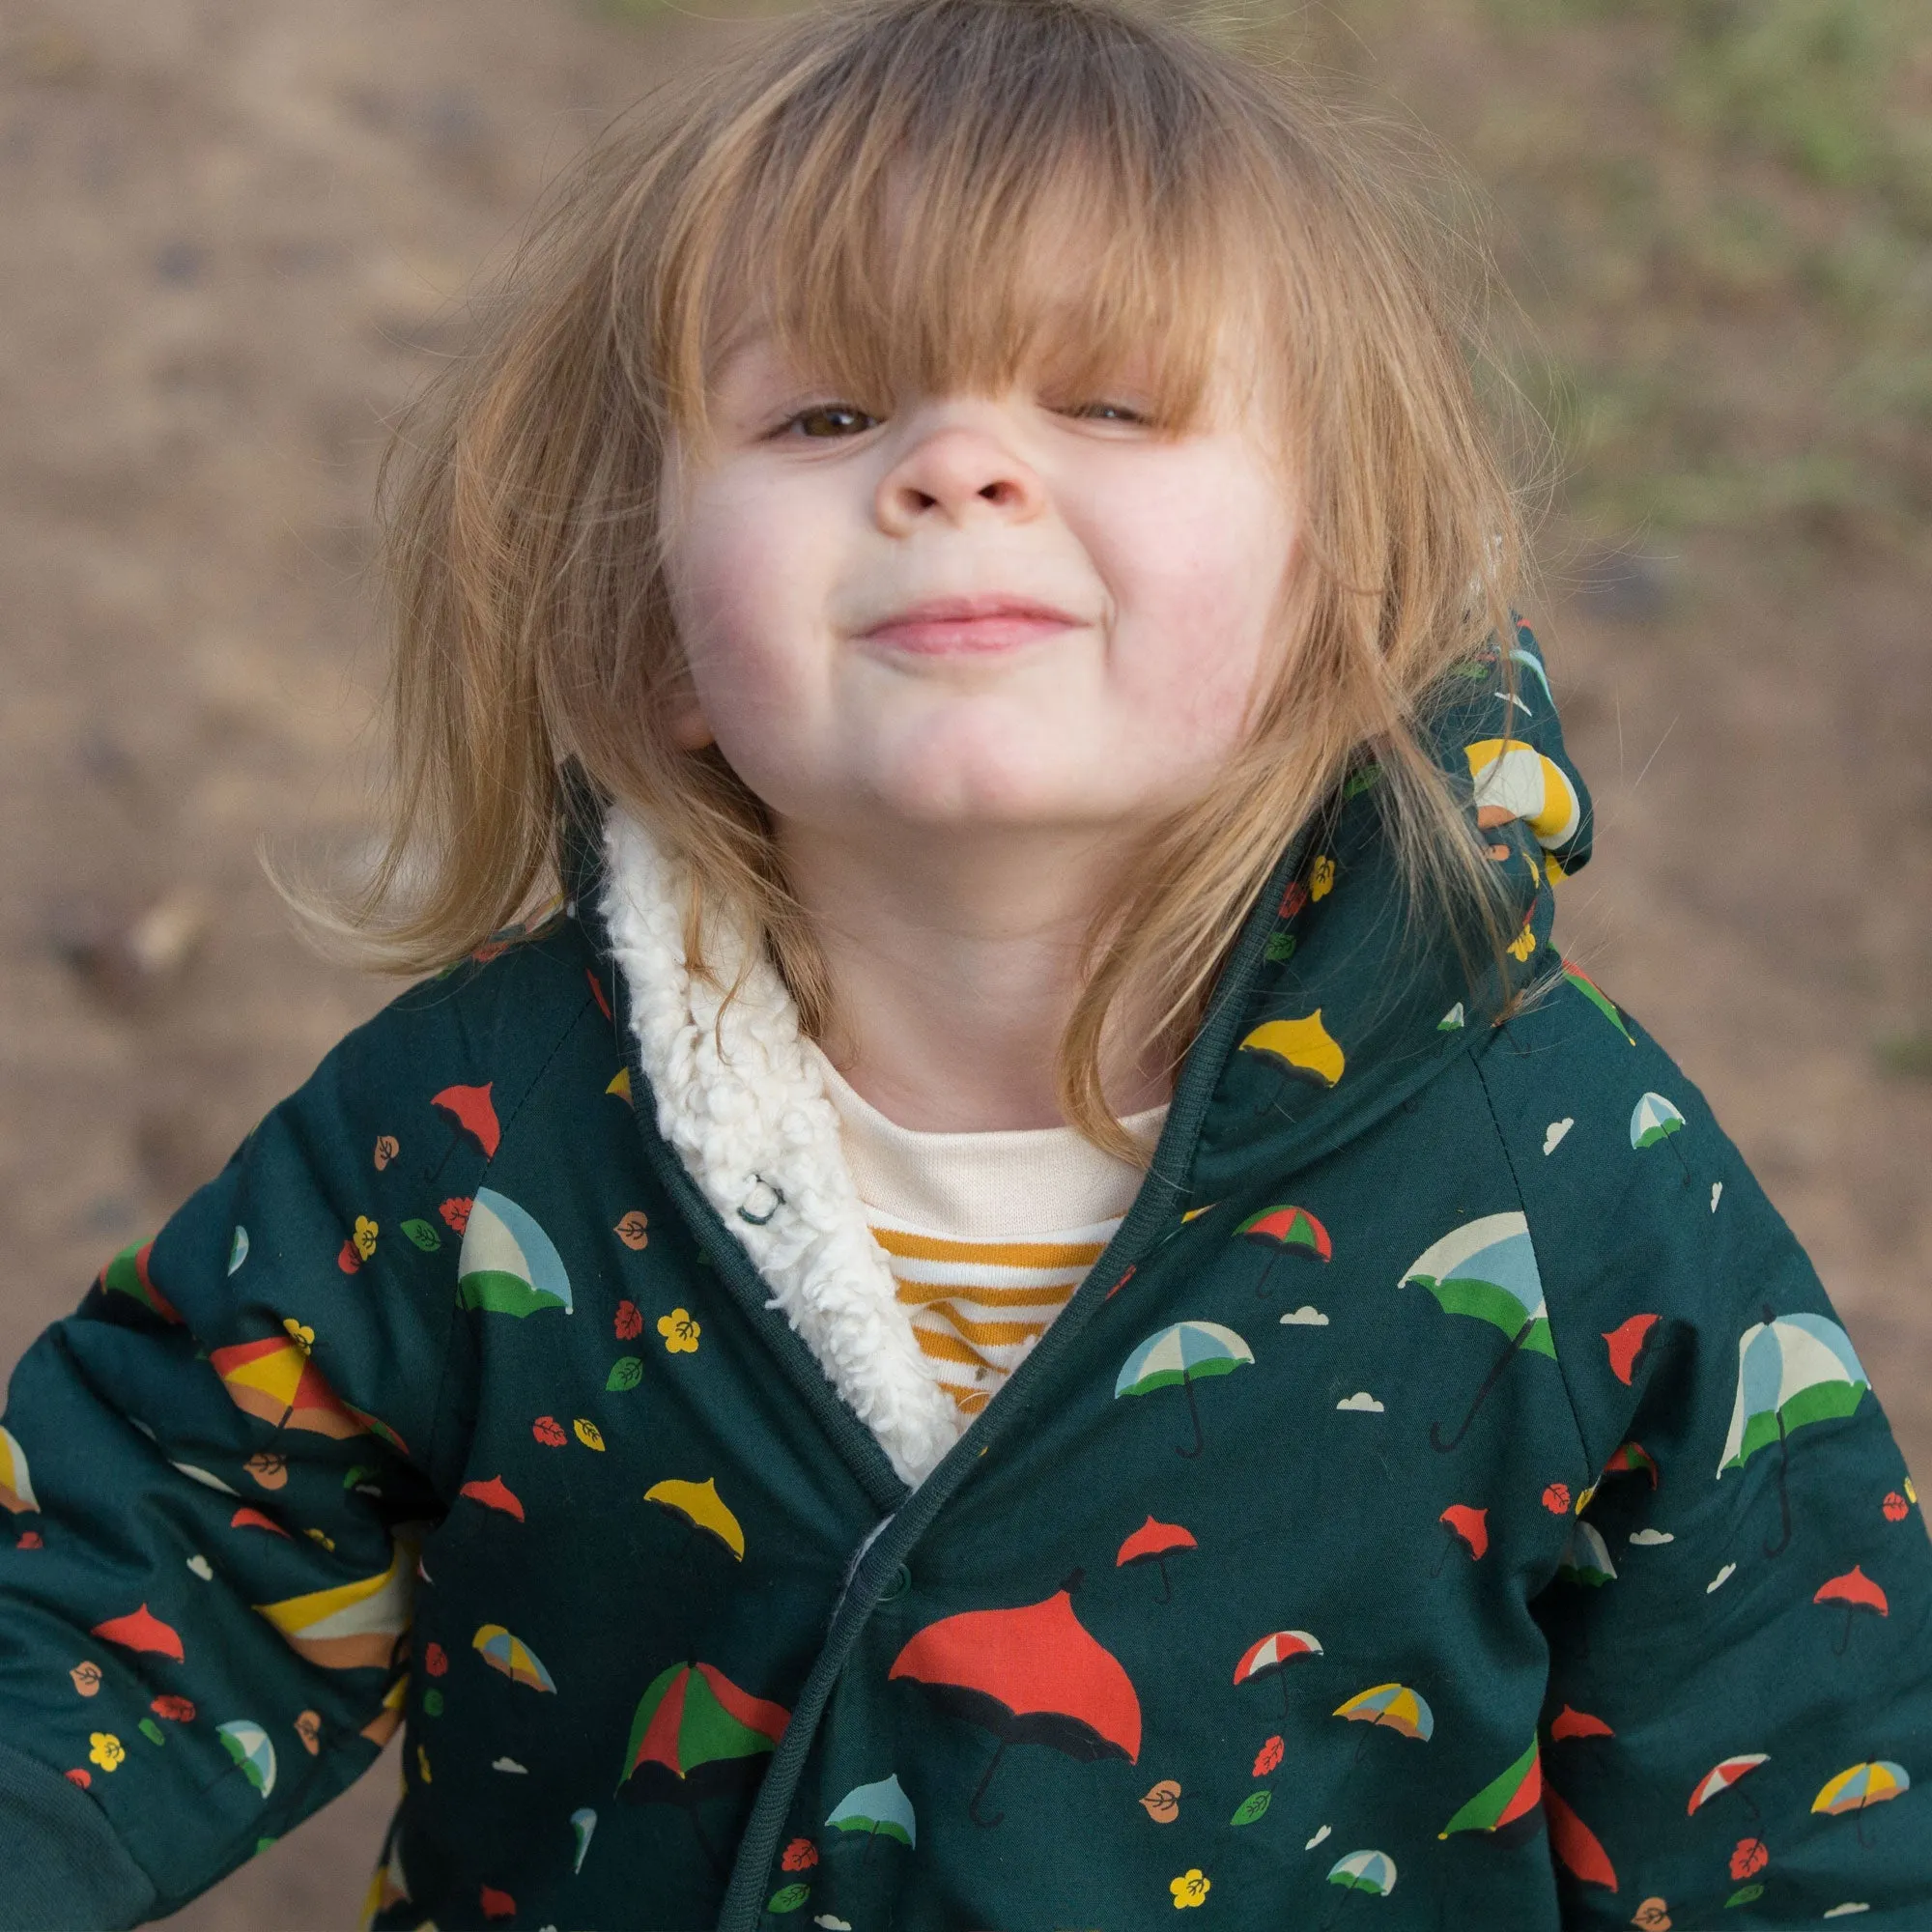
[[1162, 1802]]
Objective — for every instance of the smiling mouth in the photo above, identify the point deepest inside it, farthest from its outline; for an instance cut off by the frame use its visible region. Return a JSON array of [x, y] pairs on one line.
[[969, 626]]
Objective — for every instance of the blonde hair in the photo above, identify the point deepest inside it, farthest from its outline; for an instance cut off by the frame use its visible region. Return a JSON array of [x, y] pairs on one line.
[[871, 176]]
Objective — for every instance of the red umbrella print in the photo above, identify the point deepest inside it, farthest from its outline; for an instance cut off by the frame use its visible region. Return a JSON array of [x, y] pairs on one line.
[[1153, 1543], [1272, 1655], [1286, 1230], [1856, 1591], [471, 1112], [1034, 1675], [1721, 1776], [1467, 1526]]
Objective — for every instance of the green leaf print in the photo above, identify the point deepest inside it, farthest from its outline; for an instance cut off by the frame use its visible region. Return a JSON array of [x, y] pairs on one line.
[[789, 1899], [1251, 1807], [626, 1372], [423, 1235]]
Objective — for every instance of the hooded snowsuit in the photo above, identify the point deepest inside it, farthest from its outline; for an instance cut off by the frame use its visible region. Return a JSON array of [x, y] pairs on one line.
[[1450, 1501]]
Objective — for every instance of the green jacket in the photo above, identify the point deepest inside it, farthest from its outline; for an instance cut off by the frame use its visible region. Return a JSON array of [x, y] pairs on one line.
[[1450, 1501]]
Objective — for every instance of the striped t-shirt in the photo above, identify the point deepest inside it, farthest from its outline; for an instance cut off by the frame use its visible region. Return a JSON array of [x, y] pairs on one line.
[[988, 1233]]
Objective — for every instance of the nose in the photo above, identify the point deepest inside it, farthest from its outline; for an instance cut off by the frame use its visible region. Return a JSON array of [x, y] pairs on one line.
[[958, 473]]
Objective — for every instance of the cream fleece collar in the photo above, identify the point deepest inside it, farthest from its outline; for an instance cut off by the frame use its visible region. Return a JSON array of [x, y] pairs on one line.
[[742, 1102]]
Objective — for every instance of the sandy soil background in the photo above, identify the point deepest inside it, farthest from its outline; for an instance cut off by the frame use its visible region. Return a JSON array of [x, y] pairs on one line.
[[235, 235]]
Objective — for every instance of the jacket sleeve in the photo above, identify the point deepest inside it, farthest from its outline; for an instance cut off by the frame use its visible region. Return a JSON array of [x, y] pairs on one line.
[[1740, 1676], [214, 1475]]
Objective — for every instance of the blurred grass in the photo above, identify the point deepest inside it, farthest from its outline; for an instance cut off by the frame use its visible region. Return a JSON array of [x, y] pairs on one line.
[[1716, 215]]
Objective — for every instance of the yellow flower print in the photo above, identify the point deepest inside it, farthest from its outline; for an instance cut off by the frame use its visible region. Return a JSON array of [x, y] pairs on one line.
[[108, 1752], [679, 1330], [1320, 883], [1190, 1889], [1523, 944], [300, 1333], [364, 1236], [327, 1542]]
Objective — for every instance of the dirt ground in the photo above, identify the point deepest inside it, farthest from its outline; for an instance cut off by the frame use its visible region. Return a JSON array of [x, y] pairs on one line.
[[233, 239]]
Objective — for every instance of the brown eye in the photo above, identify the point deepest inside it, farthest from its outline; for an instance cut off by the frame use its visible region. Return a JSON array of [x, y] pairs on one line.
[[1105, 411], [826, 420]]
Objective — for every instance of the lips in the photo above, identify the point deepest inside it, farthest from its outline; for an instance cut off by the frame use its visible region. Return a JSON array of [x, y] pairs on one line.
[[946, 626]]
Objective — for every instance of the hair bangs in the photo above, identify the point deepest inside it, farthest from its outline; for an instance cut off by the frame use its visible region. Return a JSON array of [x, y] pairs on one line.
[[952, 218]]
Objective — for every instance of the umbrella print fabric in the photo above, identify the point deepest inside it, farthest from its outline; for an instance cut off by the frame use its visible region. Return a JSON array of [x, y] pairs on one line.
[[1515, 781], [700, 1506], [695, 1731], [880, 1810], [16, 1488], [1508, 1805], [1031, 1675], [1587, 1558], [1792, 1370], [1860, 1787], [247, 1744], [508, 1265], [1394, 1707], [1154, 1543], [1183, 1353], [512, 1657], [1287, 1230], [1364, 1872], [1721, 1776], [275, 1381], [1652, 1120], [1273, 1656], [1598, 998], [352, 1625], [1486, 1268]]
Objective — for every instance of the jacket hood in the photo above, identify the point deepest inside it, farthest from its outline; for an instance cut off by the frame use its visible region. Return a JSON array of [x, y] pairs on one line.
[[1345, 993]]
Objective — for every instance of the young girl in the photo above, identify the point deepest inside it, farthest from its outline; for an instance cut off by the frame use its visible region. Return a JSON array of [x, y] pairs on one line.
[[1042, 1302]]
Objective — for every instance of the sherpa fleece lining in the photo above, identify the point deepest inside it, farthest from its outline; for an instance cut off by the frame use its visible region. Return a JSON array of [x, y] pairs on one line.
[[744, 1105]]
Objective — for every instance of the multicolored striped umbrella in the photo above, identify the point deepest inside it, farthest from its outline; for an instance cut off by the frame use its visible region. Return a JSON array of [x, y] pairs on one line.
[[1511, 1799], [1721, 1776], [1792, 1370], [247, 1744], [1272, 1654], [1487, 1268], [1183, 1353], [1394, 1707], [1861, 1786], [512, 1657], [1286, 1230], [1364, 1872]]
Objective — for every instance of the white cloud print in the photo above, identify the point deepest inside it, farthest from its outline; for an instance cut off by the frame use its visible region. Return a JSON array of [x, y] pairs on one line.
[[1361, 1401], [1307, 1316]]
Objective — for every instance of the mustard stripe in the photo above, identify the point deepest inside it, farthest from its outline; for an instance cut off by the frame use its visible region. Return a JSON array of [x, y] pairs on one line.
[[945, 1346], [987, 1334], [921, 1294], [993, 1253]]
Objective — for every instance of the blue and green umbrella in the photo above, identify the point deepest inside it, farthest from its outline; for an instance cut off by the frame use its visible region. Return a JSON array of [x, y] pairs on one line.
[[1364, 1872], [247, 1744], [1792, 1370], [1654, 1119], [1183, 1353], [1486, 1268], [879, 1809]]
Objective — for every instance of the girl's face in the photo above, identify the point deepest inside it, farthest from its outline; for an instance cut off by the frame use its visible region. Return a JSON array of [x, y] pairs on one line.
[[1019, 610]]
